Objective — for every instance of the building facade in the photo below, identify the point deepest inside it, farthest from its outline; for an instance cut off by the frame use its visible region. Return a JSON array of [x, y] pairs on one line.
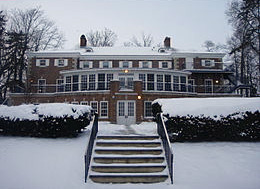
[[120, 83]]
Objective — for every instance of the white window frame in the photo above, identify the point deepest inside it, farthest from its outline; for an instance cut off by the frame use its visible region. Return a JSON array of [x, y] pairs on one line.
[[100, 109], [84, 102], [75, 102], [81, 64], [145, 110], [141, 64], [211, 80], [91, 102], [38, 62], [57, 62], [169, 66], [44, 86], [211, 63], [58, 85], [121, 64], [102, 62]]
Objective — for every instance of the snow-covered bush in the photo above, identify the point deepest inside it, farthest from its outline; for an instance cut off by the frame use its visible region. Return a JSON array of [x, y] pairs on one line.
[[211, 124], [44, 120]]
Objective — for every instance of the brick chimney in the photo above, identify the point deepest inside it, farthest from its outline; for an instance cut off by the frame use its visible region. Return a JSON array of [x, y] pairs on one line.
[[167, 42], [83, 41]]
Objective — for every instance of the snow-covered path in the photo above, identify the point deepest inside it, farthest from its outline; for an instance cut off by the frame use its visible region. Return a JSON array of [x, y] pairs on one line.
[[29, 163]]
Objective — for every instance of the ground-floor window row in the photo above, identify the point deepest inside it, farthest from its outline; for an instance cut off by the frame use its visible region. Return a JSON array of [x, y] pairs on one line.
[[101, 107]]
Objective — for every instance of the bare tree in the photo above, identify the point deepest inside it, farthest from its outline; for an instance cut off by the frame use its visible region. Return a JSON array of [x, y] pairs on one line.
[[40, 32], [209, 45], [145, 41], [103, 38]]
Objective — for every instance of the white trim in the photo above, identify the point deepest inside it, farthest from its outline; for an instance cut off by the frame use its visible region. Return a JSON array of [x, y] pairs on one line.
[[189, 63], [91, 102], [100, 109], [65, 62], [38, 62], [145, 109]]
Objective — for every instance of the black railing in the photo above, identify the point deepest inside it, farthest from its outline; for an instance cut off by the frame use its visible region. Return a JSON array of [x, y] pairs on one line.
[[166, 143], [89, 149]]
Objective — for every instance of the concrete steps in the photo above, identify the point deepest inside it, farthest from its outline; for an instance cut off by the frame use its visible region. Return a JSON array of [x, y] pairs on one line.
[[128, 159]]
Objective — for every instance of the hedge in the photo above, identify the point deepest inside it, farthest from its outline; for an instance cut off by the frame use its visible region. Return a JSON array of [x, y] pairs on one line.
[[235, 127], [46, 126]]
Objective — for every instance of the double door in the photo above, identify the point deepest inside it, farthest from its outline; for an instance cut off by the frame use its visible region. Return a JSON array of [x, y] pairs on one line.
[[126, 112]]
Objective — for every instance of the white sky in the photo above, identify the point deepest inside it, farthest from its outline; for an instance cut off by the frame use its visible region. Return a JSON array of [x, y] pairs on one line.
[[188, 22]]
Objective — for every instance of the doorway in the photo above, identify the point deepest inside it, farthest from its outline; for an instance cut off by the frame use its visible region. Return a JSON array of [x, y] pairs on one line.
[[126, 112]]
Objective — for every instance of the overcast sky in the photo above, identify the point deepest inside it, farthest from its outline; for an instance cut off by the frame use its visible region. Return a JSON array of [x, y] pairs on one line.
[[188, 22]]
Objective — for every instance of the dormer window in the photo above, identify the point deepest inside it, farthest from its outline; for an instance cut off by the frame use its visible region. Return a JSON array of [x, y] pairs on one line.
[[105, 64], [165, 64]]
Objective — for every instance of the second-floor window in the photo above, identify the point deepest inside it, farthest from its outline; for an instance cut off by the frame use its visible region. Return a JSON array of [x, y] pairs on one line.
[[86, 64], [42, 62], [41, 85], [105, 64], [61, 62], [208, 63], [145, 64]]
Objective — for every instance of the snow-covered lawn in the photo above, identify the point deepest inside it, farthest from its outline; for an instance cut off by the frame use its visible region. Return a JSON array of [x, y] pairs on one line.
[[30, 163]]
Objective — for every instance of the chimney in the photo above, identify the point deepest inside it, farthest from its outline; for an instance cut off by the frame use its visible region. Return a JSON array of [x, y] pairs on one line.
[[167, 42], [83, 41]]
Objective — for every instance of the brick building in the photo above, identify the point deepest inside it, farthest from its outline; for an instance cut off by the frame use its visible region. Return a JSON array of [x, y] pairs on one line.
[[121, 82]]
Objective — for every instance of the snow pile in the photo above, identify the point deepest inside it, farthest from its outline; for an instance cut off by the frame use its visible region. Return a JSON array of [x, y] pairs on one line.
[[33, 112], [209, 107]]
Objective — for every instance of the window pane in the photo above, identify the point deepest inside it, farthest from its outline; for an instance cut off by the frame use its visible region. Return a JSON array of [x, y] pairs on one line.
[[125, 64], [94, 106], [168, 80], [84, 82], [164, 64], [68, 83], [103, 109], [159, 82], [101, 81], [150, 81], [121, 109], [75, 86], [143, 78], [176, 83], [60, 85], [105, 64], [148, 109], [131, 109], [92, 82]]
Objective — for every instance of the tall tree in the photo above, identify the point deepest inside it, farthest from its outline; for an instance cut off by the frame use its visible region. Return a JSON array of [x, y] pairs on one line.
[[244, 16], [146, 40], [102, 38]]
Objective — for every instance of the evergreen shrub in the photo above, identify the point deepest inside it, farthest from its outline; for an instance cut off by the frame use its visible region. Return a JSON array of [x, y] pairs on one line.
[[235, 127]]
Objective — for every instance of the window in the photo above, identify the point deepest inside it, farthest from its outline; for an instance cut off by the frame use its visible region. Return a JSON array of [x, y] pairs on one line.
[[183, 83], [125, 64], [126, 82], [176, 83], [131, 108], [150, 81], [41, 85], [121, 109], [105, 64], [60, 62], [86, 64], [75, 85], [159, 82], [104, 109], [101, 81], [59, 85], [145, 64], [208, 63], [92, 82], [191, 87], [94, 105], [168, 80], [164, 64], [42, 62], [142, 77], [84, 102], [109, 78], [148, 109], [84, 83], [208, 86], [75, 102], [68, 83]]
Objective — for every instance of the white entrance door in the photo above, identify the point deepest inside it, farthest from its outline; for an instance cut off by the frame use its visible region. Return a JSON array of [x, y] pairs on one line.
[[126, 112]]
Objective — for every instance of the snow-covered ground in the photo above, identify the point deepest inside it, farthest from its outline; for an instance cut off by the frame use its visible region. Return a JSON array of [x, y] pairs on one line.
[[208, 106], [30, 163]]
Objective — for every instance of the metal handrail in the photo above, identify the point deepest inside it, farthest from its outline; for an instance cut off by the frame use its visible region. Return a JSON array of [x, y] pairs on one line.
[[89, 148], [161, 129]]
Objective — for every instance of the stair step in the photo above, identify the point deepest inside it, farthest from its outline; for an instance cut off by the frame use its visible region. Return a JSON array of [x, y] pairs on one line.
[[128, 168], [128, 137], [109, 160], [129, 144], [129, 151], [128, 178]]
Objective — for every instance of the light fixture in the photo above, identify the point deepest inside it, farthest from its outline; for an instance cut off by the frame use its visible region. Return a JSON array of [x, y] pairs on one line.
[[217, 81], [139, 97], [126, 71]]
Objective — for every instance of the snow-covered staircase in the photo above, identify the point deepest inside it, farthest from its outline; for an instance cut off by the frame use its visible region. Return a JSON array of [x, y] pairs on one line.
[[128, 159]]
